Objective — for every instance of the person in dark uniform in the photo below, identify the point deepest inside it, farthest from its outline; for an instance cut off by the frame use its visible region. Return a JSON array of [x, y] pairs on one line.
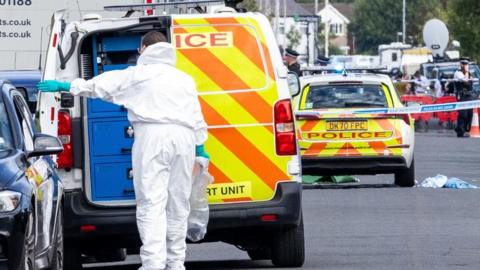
[[322, 60], [290, 60], [464, 92]]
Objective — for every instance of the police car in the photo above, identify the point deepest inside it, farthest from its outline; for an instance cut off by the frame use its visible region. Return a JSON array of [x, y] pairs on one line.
[[333, 142]]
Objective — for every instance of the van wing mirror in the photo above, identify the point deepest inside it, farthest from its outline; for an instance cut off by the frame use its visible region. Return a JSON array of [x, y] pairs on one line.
[[293, 83]]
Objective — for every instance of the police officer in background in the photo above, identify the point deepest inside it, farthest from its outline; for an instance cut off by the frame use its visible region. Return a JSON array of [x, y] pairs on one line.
[[290, 59], [464, 92]]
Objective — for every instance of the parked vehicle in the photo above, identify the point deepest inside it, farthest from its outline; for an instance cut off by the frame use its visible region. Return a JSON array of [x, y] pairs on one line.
[[255, 199], [31, 193], [26, 83], [333, 143]]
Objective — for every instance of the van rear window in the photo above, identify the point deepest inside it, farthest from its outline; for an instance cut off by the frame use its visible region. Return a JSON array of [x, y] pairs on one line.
[[221, 57]]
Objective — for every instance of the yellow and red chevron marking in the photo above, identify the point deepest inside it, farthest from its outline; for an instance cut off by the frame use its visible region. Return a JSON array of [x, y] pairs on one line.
[[237, 90], [351, 147]]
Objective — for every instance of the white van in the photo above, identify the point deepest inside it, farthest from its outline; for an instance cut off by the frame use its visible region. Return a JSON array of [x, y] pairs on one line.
[[244, 92]]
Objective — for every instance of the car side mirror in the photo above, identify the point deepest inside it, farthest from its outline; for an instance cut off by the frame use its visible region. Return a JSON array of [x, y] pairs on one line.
[[45, 145], [293, 83]]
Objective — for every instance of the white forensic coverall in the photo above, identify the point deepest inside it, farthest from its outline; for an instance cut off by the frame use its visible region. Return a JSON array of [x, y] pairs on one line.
[[163, 107]]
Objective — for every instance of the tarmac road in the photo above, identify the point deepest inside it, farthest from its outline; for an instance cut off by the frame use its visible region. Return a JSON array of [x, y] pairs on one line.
[[380, 226]]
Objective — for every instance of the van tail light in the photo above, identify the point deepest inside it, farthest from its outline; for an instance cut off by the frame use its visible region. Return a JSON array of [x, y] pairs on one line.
[[285, 140], [65, 159]]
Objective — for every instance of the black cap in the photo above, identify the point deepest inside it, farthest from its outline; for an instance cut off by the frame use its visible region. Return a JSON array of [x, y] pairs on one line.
[[291, 52], [464, 60], [322, 60]]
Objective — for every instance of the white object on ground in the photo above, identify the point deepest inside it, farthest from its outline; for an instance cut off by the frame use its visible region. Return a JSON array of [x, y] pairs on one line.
[[435, 182]]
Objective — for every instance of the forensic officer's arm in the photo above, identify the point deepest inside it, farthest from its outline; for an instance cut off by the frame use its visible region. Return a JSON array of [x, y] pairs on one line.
[[105, 86]]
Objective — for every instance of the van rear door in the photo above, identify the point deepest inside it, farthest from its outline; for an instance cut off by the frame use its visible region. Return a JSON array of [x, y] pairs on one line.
[[48, 105], [230, 62]]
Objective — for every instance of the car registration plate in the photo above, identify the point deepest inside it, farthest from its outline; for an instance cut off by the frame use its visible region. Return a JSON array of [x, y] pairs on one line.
[[347, 125]]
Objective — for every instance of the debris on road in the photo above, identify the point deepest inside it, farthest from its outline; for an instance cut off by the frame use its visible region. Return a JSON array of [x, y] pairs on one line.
[[314, 180], [442, 181]]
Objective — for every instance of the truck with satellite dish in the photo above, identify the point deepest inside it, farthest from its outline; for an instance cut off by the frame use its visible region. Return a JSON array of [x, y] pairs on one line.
[[444, 62]]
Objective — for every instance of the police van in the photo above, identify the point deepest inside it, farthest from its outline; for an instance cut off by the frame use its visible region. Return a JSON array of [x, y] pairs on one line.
[[245, 93]]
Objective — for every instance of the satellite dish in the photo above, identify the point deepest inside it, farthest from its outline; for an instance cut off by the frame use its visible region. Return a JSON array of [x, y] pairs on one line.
[[435, 35]]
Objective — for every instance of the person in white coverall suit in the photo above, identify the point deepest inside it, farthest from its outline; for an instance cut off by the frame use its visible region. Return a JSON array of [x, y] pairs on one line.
[[164, 110]]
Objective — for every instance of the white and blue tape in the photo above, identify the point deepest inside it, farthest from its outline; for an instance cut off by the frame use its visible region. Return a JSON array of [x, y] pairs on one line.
[[445, 107]]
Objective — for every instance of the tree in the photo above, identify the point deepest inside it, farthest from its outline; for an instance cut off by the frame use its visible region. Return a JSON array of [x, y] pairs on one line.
[[249, 5], [377, 22], [465, 26], [293, 37]]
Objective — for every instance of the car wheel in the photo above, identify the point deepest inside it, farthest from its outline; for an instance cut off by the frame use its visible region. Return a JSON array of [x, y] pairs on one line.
[[57, 260], [263, 253], [288, 247], [28, 256], [406, 177], [72, 259]]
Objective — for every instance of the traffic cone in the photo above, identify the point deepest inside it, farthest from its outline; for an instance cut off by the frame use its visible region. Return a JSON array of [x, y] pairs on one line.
[[475, 129]]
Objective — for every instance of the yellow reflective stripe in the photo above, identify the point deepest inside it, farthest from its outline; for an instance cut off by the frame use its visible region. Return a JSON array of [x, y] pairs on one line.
[[305, 92], [183, 63], [388, 95], [234, 168]]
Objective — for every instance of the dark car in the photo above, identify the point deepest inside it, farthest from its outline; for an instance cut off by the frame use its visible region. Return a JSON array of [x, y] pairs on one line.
[[31, 193], [26, 83], [446, 70]]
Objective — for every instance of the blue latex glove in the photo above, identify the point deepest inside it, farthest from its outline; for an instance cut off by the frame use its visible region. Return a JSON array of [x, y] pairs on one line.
[[53, 86], [200, 151]]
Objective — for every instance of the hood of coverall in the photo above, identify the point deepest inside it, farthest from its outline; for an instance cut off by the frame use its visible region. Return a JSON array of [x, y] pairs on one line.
[[158, 53]]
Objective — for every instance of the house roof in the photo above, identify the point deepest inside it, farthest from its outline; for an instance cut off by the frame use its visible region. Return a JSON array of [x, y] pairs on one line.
[[343, 8], [293, 8]]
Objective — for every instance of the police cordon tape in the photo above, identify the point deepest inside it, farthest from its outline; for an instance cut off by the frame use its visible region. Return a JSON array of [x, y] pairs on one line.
[[445, 107], [432, 80]]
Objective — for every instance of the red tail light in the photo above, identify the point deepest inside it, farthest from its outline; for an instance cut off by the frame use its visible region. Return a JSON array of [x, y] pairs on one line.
[[404, 116], [65, 159], [285, 141]]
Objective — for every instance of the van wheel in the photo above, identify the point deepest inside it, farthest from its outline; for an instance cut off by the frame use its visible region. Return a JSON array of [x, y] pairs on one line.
[[406, 177], [257, 254], [288, 247], [72, 258]]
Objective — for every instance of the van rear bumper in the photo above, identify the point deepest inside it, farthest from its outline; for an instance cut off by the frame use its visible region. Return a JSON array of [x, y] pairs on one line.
[[116, 227], [286, 205]]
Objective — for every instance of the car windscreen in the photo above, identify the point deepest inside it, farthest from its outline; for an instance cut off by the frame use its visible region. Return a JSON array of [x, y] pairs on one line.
[[447, 72], [6, 141], [345, 96]]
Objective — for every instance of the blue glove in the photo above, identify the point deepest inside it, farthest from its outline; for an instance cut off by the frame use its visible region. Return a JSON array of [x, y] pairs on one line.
[[200, 151], [53, 86]]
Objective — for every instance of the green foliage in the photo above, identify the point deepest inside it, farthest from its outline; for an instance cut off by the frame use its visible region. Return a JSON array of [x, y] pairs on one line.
[[335, 50], [464, 26], [378, 21], [249, 5], [293, 37]]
